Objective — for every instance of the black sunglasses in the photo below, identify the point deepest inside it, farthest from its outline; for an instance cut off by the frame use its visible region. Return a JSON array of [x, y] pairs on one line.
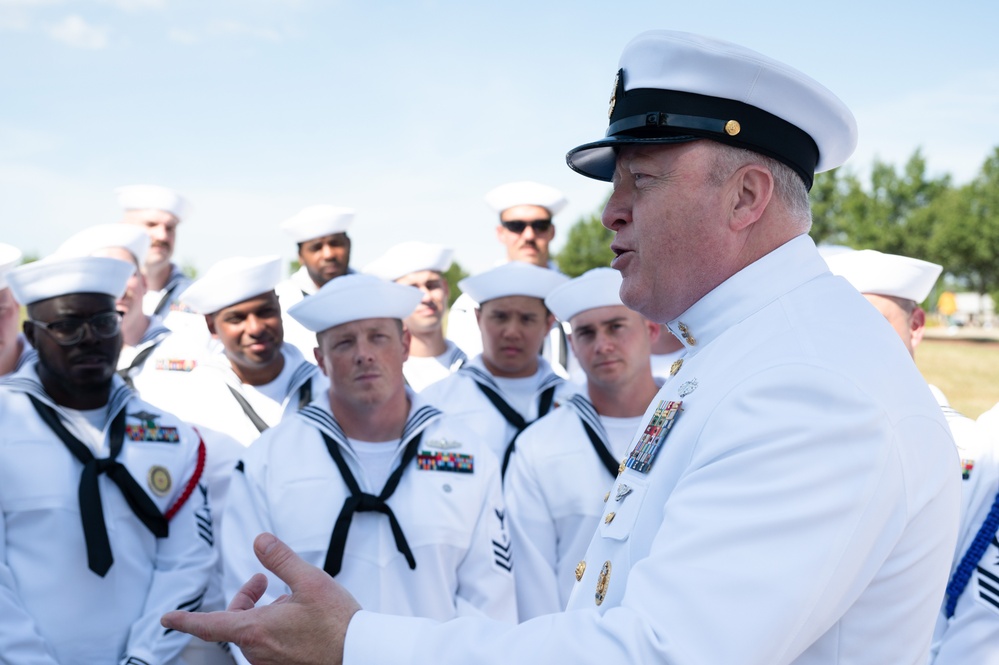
[[518, 226]]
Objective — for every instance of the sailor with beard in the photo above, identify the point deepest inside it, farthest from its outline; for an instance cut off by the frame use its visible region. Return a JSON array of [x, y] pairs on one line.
[[421, 264], [320, 232], [525, 230], [255, 379], [158, 211], [15, 350], [104, 515], [509, 385]]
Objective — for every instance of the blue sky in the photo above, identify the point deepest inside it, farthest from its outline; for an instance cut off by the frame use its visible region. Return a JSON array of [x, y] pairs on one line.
[[411, 111]]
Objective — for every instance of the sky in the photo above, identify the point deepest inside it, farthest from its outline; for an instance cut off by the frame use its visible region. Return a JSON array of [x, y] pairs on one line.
[[409, 112]]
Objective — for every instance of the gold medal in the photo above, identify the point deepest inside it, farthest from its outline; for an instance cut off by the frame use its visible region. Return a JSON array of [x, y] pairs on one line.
[[159, 480]]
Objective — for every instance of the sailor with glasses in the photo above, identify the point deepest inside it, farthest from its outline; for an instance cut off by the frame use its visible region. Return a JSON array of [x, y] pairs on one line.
[[104, 515], [526, 230], [15, 350]]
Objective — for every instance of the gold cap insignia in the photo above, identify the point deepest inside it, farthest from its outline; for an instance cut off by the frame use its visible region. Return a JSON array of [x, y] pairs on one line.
[[732, 127]]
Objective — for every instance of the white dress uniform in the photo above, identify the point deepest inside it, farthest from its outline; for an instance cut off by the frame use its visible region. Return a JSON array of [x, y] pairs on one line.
[[552, 492], [448, 504], [461, 396], [421, 372], [290, 292], [160, 303], [209, 396], [971, 633], [53, 607], [801, 504], [28, 354]]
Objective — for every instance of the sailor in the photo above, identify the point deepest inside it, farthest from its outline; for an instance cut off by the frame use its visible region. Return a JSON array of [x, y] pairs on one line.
[[370, 481], [792, 496], [15, 350], [105, 517], [525, 229], [159, 211], [320, 231], [421, 264], [967, 629], [509, 385], [255, 379], [564, 460]]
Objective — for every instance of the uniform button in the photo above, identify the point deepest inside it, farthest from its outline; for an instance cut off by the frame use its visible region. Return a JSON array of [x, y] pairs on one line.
[[609, 517], [620, 468], [606, 496], [580, 569]]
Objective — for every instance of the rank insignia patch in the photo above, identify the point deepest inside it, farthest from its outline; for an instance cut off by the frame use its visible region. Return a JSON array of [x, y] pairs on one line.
[[431, 460], [152, 433], [652, 438], [175, 364], [966, 466]]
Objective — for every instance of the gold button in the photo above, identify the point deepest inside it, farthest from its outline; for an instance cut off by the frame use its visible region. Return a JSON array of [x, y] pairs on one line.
[[732, 127], [609, 517], [580, 569], [606, 496], [620, 468], [675, 367]]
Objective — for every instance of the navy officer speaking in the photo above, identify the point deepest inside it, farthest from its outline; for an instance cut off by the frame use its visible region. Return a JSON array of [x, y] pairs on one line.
[[792, 494]]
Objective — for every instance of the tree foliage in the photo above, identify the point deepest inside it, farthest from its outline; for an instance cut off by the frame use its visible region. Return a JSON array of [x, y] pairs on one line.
[[453, 275], [587, 247]]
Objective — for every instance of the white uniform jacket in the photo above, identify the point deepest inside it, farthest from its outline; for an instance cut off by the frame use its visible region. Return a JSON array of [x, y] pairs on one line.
[[421, 372], [28, 354], [802, 506], [448, 503], [53, 608], [971, 634], [206, 398], [460, 397], [160, 303], [554, 495]]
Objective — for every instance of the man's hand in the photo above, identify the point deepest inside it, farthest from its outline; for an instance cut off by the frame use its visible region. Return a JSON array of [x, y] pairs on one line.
[[304, 628]]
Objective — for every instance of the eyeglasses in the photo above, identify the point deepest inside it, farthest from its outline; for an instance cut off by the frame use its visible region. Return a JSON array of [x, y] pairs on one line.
[[67, 332], [517, 226]]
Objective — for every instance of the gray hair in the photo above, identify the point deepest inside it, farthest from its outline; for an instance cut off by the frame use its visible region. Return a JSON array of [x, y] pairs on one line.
[[789, 188]]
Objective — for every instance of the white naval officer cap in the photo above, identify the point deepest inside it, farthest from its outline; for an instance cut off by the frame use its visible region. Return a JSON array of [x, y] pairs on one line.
[[599, 287], [232, 281], [103, 236], [673, 87], [409, 257], [56, 276], [526, 193], [153, 197], [318, 221], [515, 278], [10, 256], [870, 271], [355, 297]]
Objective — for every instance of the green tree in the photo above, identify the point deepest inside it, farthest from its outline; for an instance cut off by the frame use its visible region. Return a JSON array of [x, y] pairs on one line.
[[453, 275], [965, 237], [587, 247], [828, 222]]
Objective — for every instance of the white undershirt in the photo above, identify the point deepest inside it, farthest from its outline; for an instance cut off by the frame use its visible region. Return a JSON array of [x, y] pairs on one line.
[[88, 426], [620, 432], [377, 459], [268, 399], [519, 393]]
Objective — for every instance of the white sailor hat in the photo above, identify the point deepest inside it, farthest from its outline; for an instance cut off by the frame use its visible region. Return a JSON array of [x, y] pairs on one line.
[[318, 221], [127, 236], [409, 257], [870, 271], [515, 278], [9, 257], [674, 87], [59, 276], [600, 287], [526, 193], [232, 281], [153, 197], [354, 297]]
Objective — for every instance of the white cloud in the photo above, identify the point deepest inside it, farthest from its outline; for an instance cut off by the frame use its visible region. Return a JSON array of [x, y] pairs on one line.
[[76, 32]]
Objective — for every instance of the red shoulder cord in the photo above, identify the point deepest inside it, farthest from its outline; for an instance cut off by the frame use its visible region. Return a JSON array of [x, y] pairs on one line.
[[191, 484]]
